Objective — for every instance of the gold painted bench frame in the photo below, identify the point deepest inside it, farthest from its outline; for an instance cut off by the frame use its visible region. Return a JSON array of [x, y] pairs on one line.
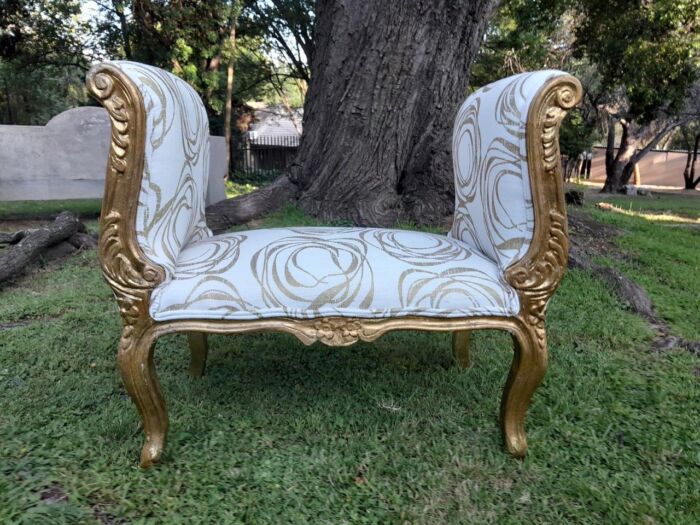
[[132, 276]]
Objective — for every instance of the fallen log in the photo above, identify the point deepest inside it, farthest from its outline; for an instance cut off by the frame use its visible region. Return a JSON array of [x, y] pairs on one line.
[[26, 246], [239, 210]]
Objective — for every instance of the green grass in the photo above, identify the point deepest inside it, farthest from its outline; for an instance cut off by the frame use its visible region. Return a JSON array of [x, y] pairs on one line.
[[383, 433], [87, 208], [662, 256], [236, 189], [685, 205]]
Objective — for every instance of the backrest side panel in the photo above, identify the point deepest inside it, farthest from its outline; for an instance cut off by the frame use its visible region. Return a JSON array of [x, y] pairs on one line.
[[493, 199], [176, 164]]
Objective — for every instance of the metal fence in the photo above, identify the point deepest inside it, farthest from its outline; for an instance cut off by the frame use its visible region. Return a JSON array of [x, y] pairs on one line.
[[262, 159]]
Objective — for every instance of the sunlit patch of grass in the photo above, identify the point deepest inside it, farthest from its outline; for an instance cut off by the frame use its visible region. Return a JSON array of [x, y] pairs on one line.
[[656, 217], [681, 204], [236, 189], [664, 257]]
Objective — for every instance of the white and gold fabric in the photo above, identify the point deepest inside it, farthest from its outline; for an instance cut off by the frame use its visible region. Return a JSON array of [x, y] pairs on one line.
[[304, 273], [497, 267]]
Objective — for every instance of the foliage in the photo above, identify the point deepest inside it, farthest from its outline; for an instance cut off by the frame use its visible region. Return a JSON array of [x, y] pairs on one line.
[[236, 189], [527, 35], [46, 47], [577, 134], [524, 35], [648, 51], [638, 62], [287, 29], [42, 59]]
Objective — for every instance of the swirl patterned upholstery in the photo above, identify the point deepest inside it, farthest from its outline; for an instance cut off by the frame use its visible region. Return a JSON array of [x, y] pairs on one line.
[[493, 200], [174, 183], [317, 272]]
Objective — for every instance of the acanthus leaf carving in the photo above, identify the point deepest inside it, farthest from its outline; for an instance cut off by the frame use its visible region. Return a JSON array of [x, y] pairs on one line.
[[337, 331], [124, 266], [538, 274]]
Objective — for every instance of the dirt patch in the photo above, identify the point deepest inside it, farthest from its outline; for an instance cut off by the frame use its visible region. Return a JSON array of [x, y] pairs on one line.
[[53, 494], [24, 322], [104, 517]]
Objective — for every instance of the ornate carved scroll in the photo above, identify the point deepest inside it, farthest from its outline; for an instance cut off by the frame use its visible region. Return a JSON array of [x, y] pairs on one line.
[[537, 275], [124, 266]]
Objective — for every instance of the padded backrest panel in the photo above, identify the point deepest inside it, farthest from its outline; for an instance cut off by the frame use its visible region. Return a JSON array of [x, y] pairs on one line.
[[493, 199], [176, 164]]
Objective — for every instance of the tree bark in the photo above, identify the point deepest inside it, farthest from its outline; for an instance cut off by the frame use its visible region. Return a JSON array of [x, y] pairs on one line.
[[689, 173], [245, 208], [621, 167], [228, 136], [26, 246], [118, 6], [387, 80]]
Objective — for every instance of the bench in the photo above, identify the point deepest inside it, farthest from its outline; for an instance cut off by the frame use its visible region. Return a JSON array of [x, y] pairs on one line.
[[497, 267]]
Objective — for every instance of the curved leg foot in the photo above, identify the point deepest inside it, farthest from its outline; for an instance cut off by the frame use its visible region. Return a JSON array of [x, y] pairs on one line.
[[526, 373], [135, 360], [198, 353], [461, 341]]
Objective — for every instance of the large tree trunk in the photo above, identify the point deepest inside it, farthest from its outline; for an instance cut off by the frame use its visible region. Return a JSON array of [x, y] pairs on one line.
[[387, 80]]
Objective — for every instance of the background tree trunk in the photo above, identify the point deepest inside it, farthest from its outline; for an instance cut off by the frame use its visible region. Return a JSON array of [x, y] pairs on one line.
[[387, 80], [228, 110], [620, 167], [689, 172]]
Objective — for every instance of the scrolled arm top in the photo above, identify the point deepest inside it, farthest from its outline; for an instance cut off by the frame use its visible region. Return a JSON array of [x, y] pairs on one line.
[[158, 163], [508, 187]]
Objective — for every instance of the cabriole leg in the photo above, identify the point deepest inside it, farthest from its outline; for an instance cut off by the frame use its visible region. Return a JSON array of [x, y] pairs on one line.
[[199, 349], [461, 341], [526, 372], [135, 360]]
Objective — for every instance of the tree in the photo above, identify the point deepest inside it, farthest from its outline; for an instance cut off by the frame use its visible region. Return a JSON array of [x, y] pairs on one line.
[[525, 35], [646, 55], [386, 81], [287, 29], [43, 58], [689, 139], [230, 49]]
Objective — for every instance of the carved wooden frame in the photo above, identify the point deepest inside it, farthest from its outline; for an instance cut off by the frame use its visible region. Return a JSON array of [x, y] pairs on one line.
[[133, 277]]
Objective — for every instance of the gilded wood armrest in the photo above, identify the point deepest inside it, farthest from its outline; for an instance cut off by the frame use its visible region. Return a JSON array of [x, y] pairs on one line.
[[125, 267], [538, 273]]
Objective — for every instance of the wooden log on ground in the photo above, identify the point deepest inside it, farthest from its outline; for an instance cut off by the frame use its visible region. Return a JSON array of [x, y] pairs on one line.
[[25, 247], [239, 210]]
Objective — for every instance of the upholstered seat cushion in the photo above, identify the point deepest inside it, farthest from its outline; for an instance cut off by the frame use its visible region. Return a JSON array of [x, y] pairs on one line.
[[314, 272]]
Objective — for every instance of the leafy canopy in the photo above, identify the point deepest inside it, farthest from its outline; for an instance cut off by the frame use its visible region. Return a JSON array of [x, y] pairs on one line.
[[647, 50]]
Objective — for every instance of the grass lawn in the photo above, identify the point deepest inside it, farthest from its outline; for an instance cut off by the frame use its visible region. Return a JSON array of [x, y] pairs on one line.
[[662, 253], [686, 204], [388, 432], [85, 208]]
